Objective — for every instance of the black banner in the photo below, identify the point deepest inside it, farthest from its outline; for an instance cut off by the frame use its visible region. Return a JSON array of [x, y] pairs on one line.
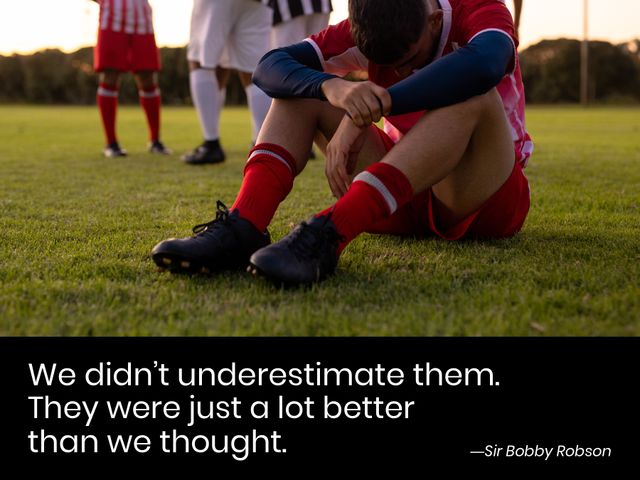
[[315, 406]]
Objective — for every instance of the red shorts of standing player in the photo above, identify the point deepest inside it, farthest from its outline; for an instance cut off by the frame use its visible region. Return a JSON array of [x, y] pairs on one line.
[[126, 43]]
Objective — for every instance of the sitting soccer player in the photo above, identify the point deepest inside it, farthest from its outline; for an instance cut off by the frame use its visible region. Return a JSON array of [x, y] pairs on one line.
[[445, 75]]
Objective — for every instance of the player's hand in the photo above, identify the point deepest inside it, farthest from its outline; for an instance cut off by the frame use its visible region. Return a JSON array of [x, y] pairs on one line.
[[364, 102], [342, 155]]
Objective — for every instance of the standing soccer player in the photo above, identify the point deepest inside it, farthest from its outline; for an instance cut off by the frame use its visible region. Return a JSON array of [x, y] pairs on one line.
[[126, 43], [449, 163], [232, 34]]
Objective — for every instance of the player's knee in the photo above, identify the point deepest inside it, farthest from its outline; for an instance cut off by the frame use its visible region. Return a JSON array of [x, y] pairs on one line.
[[306, 110], [491, 99], [146, 79], [295, 104], [110, 77], [482, 103], [245, 79]]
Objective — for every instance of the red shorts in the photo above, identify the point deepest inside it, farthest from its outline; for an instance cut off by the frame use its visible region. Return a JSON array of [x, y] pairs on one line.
[[502, 215], [126, 52]]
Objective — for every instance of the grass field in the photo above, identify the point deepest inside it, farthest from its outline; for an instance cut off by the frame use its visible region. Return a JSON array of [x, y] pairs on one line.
[[76, 231]]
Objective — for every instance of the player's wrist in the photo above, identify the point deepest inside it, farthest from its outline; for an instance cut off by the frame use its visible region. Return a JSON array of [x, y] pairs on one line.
[[328, 86], [350, 124]]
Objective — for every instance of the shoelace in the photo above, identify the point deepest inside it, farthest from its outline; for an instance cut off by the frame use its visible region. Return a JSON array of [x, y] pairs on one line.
[[222, 217], [306, 239]]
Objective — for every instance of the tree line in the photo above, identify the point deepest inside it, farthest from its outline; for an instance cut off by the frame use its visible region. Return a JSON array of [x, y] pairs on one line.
[[55, 77], [550, 71]]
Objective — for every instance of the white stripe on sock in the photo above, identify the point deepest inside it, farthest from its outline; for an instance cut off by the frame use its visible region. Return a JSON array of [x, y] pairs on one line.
[[376, 183], [271, 154], [103, 92]]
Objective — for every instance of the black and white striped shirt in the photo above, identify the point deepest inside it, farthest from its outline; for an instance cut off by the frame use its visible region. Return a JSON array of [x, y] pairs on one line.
[[284, 10]]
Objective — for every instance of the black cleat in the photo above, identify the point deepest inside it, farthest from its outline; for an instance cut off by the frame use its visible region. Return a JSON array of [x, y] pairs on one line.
[[158, 147], [113, 150], [204, 154], [306, 255], [224, 243]]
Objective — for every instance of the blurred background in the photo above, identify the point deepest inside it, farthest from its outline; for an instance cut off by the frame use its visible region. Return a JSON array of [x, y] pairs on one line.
[[46, 51]]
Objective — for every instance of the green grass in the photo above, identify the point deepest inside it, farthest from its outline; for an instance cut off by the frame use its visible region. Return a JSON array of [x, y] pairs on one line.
[[76, 231]]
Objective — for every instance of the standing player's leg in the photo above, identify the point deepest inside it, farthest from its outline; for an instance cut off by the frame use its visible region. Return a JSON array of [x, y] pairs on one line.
[[150, 101], [463, 152], [109, 60], [316, 23], [288, 32], [248, 42], [145, 63], [107, 100], [211, 23], [222, 75], [268, 178], [206, 97], [259, 103]]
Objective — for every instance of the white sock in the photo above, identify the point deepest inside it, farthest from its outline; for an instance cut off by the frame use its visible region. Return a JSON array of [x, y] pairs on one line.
[[259, 103], [205, 95]]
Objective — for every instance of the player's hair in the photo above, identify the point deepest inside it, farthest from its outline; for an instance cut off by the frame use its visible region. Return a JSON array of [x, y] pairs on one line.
[[385, 29]]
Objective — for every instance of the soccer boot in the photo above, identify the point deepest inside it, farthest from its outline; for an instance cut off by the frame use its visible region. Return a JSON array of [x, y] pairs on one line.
[[306, 255], [158, 147], [226, 242], [204, 154], [113, 150]]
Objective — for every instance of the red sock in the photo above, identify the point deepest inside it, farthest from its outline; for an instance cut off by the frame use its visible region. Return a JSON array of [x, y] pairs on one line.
[[107, 99], [374, 194], [150, 101], [268, 179]]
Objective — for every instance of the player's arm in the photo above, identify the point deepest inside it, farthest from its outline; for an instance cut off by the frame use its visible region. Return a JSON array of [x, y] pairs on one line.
[[296, 71], [342, 155], [472, 70], [293, 71]]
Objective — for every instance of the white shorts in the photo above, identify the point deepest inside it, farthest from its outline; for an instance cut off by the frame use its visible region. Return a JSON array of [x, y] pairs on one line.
[[229, 33], [297, 29]]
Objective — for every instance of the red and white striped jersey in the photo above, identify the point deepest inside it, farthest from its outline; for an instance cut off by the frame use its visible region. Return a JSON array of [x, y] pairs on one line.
[[127, 16], [462, 21]]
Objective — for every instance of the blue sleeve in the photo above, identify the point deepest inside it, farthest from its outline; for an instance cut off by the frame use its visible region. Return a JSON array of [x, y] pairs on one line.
[[293, 71], [473, 70]]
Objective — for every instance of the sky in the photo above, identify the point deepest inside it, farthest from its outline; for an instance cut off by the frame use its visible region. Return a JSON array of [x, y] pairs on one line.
[[30, 25]]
